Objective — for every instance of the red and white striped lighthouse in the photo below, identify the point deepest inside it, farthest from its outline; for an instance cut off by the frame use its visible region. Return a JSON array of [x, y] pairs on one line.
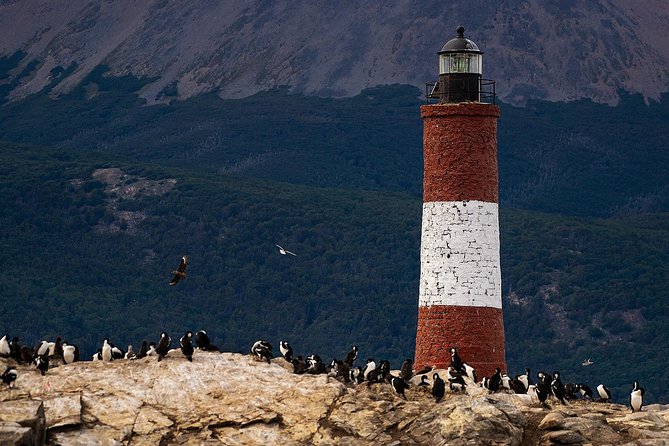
[[460, 302]]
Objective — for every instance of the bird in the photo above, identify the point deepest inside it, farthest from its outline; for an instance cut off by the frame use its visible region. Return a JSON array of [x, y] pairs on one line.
[[117, 353], [9, 376], [339, 369], [163, 345], [203, 343], [406, 372], [186, 345], [455, 381], [286, 350], [283, 251], [70, 353], [586, 362], [299, 365], [351, 356], [399, 386], [42, 363], [315, 365], [423, 381], [262, 350], [5, 349], [456, 361], [604, 393], [142, 350], [106, 350], [543, 387], [438, 387], [152, 349], [495, 381], [367, 369], [43, 348], [180, 272], [469, 371], [130, 353], [636, 397], [585, 391], [426, 369], [557, 388]]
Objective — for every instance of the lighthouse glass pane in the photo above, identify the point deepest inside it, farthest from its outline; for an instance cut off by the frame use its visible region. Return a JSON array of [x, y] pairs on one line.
[[464, 63], [444, 64]]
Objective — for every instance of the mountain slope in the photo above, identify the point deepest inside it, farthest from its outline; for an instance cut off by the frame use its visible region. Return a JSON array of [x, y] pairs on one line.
[[555, 51]]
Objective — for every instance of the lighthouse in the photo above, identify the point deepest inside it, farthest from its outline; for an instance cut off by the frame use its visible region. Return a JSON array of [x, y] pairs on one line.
[[460, 301]]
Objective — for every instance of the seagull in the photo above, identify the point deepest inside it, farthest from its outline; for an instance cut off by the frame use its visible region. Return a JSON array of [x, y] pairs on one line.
[[284, 251], [180, 272], [587, 362]]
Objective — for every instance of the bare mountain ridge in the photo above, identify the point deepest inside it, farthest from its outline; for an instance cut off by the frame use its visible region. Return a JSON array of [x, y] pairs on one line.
[[562, 50]]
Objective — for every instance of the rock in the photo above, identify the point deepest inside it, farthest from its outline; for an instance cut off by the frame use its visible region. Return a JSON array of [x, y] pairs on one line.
[[564, 437], [12, 434], [232, 399], [26, 413], [63, 411]]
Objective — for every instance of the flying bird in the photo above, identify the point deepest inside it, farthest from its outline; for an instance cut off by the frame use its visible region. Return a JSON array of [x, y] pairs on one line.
[[587, 362], [180, 273], [284, 251]]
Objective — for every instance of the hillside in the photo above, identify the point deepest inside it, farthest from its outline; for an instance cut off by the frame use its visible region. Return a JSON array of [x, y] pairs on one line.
[[232, 399], [89, 241], [577, 158], [553, 51]]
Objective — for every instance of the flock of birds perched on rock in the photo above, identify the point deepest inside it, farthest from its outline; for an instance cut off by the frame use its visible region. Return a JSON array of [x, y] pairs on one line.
[[459, 375]]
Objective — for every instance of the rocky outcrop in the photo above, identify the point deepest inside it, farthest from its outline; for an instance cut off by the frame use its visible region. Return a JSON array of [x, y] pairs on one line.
[[232, 399]]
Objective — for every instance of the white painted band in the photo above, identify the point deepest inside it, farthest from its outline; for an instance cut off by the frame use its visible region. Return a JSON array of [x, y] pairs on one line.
[[459, 254]]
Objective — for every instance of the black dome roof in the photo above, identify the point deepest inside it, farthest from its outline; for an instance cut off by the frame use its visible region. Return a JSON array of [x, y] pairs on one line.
[[460, 44]]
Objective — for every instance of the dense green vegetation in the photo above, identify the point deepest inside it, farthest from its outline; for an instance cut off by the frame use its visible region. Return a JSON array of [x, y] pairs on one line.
[[576, 158], [355, 279], [584, 192]]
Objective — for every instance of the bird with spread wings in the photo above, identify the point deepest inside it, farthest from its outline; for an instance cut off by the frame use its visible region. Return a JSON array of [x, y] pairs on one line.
[[283, 251], [180, 273]]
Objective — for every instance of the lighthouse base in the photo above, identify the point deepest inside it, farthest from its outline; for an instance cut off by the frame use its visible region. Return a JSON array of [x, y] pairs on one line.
[[477, 333]]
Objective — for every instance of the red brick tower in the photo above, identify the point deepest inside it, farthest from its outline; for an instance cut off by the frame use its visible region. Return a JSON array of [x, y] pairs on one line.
[[460, 302]]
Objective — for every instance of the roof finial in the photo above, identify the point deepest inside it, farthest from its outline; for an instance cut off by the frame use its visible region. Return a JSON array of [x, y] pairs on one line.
[[461, 31]]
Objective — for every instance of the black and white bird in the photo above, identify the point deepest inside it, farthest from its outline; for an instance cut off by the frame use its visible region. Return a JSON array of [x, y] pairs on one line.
[[203, 343], [604, 393], [423, 381], [339, 369], [286, 350], [438, 387], [299, 365], [15, 347], [42, 363], [495, 381], [130, 353], [399, 386], [151, 351], [315, 365], [456, 361], [406, 371], [557, 388], [584, 391], [163, 347], [543, 387], [186, 344], [283, 251], [455, 381], [5, 349], [351, 356], [469, 371], [9, 376], [180, 272], [44, 348], [262, 350], [368, 368], [525, 380], [636, 397], [70, 353], [117, 353]]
